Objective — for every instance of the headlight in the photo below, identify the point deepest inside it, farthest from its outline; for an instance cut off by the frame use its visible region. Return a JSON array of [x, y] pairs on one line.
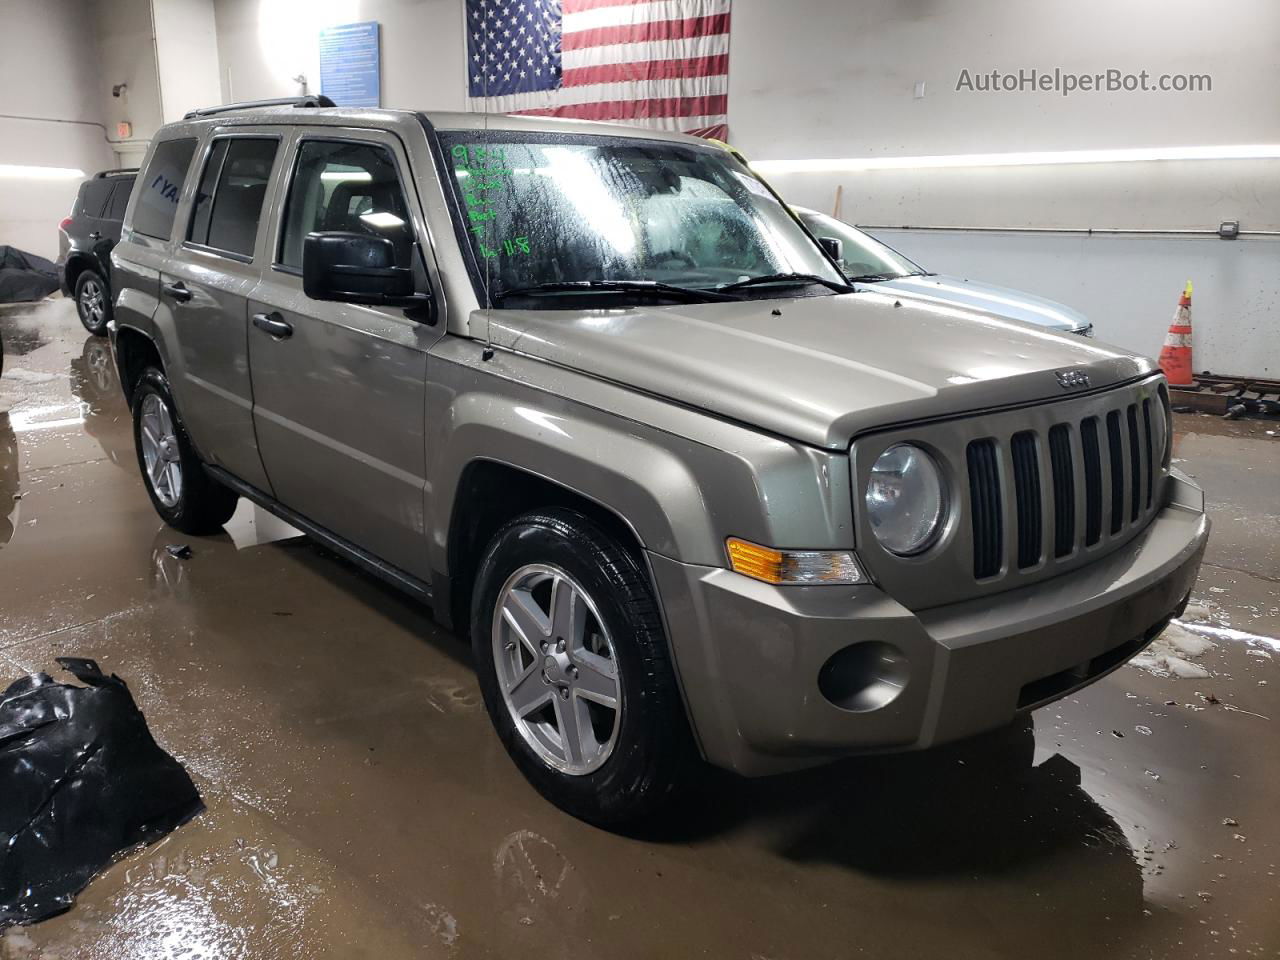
[[905, 499]]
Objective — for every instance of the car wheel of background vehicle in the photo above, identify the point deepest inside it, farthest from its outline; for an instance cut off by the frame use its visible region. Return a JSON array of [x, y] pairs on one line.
[[93, 302], [184, 495], [573, 665]]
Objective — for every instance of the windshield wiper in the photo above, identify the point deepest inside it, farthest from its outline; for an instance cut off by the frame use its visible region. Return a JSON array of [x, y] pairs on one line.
[[871, 278], [791, 278], [650, 288]]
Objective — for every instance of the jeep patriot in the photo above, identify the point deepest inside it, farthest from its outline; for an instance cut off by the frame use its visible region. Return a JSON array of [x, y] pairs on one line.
[[597, 396]]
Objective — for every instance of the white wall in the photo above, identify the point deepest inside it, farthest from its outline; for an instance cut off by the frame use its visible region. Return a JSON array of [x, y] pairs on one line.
[[48, 69], [126, 52], [847, 90], [836, 78], [263, 44], [186, 48]]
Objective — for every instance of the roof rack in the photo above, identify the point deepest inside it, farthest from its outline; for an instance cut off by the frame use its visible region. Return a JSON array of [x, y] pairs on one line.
[[311, 100], [101, 174]]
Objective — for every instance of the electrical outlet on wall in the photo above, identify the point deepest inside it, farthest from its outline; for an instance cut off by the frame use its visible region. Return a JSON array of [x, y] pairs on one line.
[[919, 91]]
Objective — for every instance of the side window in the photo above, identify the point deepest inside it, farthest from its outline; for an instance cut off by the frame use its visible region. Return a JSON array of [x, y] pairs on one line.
[[95, 197], [161, 187], [345, 186], [120, 199], [232, 190]]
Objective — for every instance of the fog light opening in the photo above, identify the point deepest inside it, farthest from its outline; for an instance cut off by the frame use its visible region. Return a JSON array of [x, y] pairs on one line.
[[864, 676]]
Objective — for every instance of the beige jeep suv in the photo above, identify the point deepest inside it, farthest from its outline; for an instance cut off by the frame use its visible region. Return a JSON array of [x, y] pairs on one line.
[[598, 397]]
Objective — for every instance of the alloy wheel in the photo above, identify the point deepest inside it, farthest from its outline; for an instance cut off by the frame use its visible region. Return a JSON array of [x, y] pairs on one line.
[[92, 303], [557, 669], [160, 450]]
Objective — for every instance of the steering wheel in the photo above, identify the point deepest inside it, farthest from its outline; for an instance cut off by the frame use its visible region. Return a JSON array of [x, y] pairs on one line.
[[675, 255]]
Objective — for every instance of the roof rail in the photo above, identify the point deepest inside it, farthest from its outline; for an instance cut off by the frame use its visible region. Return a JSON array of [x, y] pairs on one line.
[[311, 100], [111, 173]]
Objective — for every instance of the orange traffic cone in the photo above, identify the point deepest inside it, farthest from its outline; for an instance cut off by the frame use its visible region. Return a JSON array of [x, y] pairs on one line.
[[1175, 358]]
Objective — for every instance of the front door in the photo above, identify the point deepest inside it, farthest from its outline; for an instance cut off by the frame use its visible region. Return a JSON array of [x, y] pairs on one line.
[[205, 289], [340, 389]]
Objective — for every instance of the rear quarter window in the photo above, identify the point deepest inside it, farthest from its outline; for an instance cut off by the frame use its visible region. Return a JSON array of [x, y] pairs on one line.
[[160, 187], [120, 199], [93, 197]]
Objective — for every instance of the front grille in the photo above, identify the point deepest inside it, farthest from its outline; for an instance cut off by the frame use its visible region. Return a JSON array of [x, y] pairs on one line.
[[1026, 488], [985, 508], [1009, 479]]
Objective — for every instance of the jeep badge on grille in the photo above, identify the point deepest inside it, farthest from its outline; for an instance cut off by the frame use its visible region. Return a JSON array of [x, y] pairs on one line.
[[1072, 379]]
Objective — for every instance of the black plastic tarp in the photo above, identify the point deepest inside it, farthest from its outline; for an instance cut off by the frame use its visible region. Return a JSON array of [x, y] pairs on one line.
[[24, 276], [81, 781]]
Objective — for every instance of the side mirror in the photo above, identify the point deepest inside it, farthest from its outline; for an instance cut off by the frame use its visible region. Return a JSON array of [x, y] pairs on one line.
[[834, 248], [356, 268]]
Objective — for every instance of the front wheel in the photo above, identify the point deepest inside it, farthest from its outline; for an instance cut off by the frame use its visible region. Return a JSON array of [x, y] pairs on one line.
[[574, 669], [93, 302], [184, 495]]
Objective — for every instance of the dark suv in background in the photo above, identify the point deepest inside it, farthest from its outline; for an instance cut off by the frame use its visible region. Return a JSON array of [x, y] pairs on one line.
[[85, 240]]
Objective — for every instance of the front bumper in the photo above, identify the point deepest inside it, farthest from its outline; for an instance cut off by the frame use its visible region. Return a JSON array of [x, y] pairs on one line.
[[749, 654]]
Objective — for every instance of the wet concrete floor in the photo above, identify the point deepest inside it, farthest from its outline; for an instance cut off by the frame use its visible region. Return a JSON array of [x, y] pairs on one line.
[[359, 805]]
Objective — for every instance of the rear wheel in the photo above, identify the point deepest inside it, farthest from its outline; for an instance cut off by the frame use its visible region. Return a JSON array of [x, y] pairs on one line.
[[574, 668], [184, 495], [93, 302]]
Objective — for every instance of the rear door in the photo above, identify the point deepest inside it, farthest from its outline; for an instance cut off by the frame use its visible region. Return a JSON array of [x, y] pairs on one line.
[[147, 236], [205, 287], [339, 401], [108, 228]]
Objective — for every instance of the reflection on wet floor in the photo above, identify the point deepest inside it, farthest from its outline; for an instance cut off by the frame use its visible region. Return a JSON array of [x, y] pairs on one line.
[[359, 805]]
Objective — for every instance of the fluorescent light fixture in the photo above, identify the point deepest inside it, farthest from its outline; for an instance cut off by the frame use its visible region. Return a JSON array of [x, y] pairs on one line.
[[346, 176], [18, 171], [1255, 151]]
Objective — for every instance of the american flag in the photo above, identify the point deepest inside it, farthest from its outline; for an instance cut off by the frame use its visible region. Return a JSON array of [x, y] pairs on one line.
[[650, 63]]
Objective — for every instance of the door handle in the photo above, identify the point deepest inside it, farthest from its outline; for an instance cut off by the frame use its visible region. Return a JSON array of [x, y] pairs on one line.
[[177, 290], [273, 324], [95, 235]]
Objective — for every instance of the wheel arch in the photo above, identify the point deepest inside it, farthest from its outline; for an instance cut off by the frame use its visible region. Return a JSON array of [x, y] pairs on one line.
[[488, 494], [134, 352], [77, 263]]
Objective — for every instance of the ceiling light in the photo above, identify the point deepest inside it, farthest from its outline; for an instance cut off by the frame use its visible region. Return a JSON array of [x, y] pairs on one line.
[[1257, 151]]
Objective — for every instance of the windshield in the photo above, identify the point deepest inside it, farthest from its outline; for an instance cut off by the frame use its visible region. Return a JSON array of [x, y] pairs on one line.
[[864, 256], [545, 209]]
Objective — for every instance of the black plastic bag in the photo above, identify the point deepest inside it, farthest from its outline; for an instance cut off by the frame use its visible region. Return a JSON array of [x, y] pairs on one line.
[[81, 781], [25, 276]]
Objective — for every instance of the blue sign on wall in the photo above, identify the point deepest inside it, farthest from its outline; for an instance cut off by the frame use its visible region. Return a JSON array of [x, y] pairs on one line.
[[350, 64]]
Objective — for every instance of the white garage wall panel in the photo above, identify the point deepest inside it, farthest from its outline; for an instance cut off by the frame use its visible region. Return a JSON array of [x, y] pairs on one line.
[[834, 78], [264, 44], [186, 55], [49, 70], [126, 49], [848, 90]]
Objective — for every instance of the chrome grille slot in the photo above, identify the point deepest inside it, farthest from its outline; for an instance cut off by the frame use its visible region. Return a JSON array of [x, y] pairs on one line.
[[1026, 490], [985, 508], [1116, 469], [1135, 460], [1092, 481], [1064, 490], [1146, 427]]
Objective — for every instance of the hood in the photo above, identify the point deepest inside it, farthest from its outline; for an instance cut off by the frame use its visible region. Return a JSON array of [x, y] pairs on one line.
[[826, 368], [1001, 301]]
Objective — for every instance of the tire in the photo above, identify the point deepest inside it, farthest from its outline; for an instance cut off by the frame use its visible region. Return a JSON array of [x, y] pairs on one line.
[[93, 301], [189, 500], [630, 780]]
